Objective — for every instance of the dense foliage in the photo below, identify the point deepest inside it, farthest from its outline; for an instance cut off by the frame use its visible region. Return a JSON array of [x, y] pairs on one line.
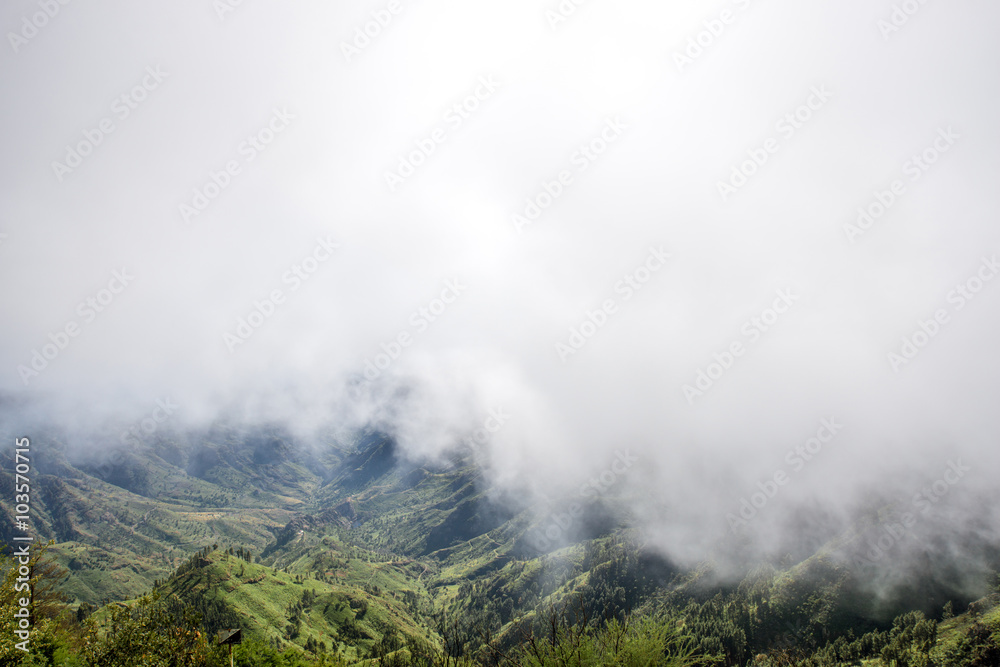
[[363, 559], [617, 608]]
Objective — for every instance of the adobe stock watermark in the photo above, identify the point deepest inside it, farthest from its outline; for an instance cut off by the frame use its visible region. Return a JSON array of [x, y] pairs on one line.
[[555, 528], [914, 168], [753, 329], [121, 108], [712, 29], [420, 320], [225, 7], [33, 23], [797, 458], [562, 12], [894, 532], [491, 425], [295, 276], [627, 287], [899, 17], [453, 119], [147, 426], [88, 310], [786, 126], [365, 33], [796, 634], [248, 150], [928, 329], [582, 158]]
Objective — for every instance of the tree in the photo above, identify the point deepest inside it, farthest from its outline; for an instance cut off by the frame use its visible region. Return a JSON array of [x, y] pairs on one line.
[[147, 634], [33, 583], [645, 641], [979, 646]]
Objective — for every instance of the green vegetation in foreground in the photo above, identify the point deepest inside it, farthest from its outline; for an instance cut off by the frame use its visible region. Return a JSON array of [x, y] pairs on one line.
[[355, 557], [292, 619]]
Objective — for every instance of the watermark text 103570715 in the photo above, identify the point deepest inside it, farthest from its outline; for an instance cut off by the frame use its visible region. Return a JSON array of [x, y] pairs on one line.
[[22, 534]]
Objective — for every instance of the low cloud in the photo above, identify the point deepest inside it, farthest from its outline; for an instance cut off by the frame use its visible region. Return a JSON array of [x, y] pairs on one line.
[[433, 304]]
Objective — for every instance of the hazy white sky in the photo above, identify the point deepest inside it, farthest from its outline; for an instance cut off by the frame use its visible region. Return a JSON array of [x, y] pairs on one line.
[[619, 123]]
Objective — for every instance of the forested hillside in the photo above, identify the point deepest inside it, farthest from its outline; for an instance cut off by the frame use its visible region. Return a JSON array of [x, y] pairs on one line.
[[360, 556]]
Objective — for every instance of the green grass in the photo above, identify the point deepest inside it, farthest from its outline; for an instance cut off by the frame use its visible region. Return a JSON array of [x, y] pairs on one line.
[[952, 629], [262, 596], [403, 540]]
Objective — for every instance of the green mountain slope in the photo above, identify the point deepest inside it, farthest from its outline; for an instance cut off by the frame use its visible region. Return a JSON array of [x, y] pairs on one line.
[[352, 547]]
